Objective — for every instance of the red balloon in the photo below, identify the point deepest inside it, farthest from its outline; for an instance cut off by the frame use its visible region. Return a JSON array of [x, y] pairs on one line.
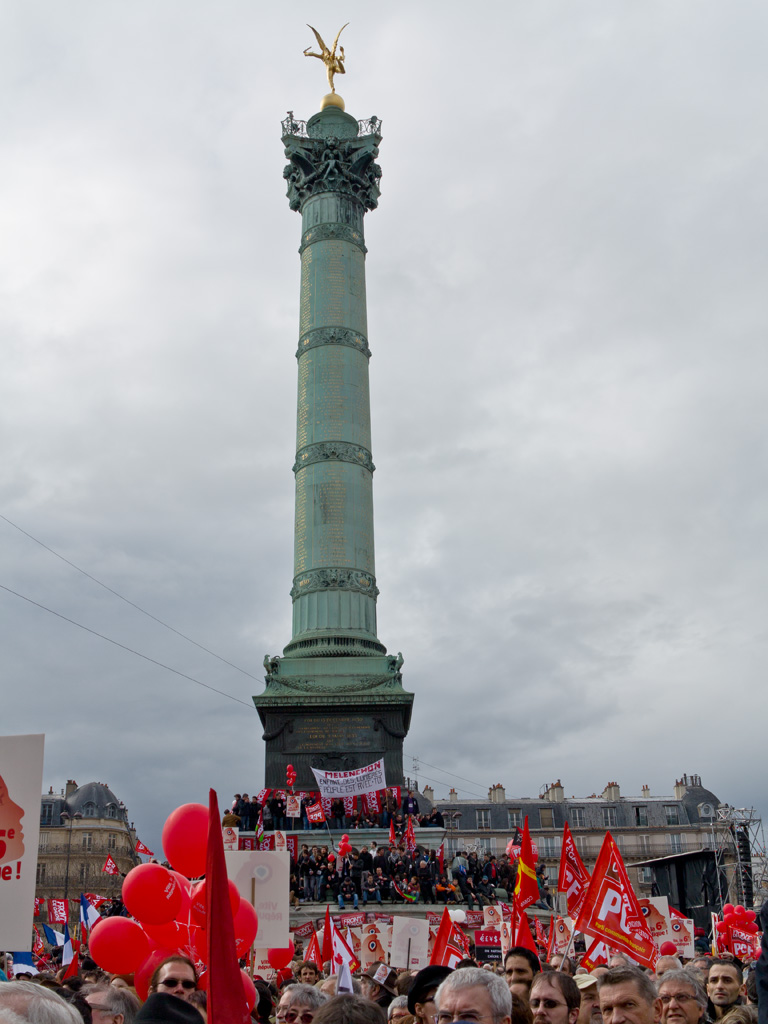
[[249, 991], [728, 908], [721, 926], [151, 893], [281, 956], [331, 856], [750, 915], [186, 888], [200, 943], [149, 966], [246, 924], [185, 839], [668, 949], [740, 910], [172, 935], [118, 945], [198, 902]]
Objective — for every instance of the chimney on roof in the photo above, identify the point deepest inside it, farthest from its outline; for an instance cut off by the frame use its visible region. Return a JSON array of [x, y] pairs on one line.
[[452, 794], [611, 792], [681, 788], [496, 794], [428, 794], [646, 792], [71, 787], [555, 793]]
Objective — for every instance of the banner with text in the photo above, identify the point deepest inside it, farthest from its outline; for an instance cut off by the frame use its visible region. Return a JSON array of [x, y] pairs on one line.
[[21, 780], [353, 783]]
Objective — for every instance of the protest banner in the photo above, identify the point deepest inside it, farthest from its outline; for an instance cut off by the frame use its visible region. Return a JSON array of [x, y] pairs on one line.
[[371, 949], [292, 806], [21, 782], [231, 838], [492, 917], [488, 945], [681, 933], [262, 877], [410, 943], [656, 913], [352, 783]]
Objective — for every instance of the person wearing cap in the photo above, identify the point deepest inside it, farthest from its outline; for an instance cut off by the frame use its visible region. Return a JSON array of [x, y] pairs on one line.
[[378, 982], [589, 1010], [163, 1009], [421, 994]]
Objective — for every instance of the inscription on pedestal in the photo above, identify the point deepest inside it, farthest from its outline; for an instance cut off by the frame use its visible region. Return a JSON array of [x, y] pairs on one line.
[[337, 733]]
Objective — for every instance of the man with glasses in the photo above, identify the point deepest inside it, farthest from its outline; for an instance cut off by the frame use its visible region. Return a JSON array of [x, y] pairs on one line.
[[554, 999], [110, 1005], [683, 999], [475, 996], [299, 1004], [175, 976]]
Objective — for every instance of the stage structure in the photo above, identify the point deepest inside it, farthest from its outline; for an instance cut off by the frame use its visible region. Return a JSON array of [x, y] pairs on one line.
[[335, 699]]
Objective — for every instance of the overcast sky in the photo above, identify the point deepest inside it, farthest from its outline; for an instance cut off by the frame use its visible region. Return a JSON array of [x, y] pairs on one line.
[[567, 312]]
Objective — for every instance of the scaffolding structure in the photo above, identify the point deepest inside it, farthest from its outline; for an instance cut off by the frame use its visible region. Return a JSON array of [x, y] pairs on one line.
[[740, 856]]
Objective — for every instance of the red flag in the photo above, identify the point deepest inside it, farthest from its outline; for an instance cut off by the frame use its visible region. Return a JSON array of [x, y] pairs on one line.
[[312, 954], [110, 866], [327, 936], [610, 910], [596, 953], [392, 836], [342, 953], [441, 858], [523, 937], [37, 946], [226, 999], [526, 886], [574, 877], [96, 901], [451, 944], [410, 837], [315, 813], [39, 901], [141, 848], [541, 938], [551, 938], [58, 911]]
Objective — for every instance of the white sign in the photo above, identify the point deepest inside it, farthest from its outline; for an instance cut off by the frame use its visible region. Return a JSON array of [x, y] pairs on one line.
[[410, 943], [21, 783], [263, 878], [231, 837], [354, 783]]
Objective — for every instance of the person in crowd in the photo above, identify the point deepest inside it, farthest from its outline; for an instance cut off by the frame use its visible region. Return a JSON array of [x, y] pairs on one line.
[[307, 973], [446, 891], [372, 890], [421, 994], [175, 976], [667, 963], [410, 804], [337, 814], [627, 996], [589, 1007], [30, 1002], [474, 995], [378, 984], [683, 998], [354, 1009], [554, 998], [230, 820], [520, 967], [331, 983], [725, 987], [398, 1009], [110, 1005], [166, 1009], [567, 964], [347, 891], [299, 1003]]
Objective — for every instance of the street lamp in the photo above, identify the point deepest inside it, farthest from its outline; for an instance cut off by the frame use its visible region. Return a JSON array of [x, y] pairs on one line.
[[71, 819]]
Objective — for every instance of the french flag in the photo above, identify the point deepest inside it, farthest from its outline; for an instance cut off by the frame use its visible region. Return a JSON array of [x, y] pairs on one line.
[[67, 952], [89, 915], [54, 938]]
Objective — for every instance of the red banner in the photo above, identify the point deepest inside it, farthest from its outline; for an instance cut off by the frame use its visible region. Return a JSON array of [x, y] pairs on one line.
[[246, 843], [141, 848], [303, 930], [110, 866], [352, 920], [315, 813], [610, 910], [574, 877], [58, 911]]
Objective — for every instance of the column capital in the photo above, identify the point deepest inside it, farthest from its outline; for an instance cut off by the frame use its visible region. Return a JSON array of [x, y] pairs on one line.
[[331, 163]]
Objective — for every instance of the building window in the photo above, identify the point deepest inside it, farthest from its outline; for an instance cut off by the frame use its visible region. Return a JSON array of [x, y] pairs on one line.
[[111, 811], [89, 810], [87, 840], [553, 874], [645, 844], [46, 814], [609, 817], [515, 817], [646, 876], [641, 817], [578, 817], [672, 812], [484, 819], [676, 843], [40, 877], [43, 840], [546, 818], [112, 841], [83, 873], [549, 846], [484, 844]]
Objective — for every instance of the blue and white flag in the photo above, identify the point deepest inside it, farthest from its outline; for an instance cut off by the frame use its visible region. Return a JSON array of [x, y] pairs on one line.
[[54, 938], [89, 915], [22, 964], [67, 952]]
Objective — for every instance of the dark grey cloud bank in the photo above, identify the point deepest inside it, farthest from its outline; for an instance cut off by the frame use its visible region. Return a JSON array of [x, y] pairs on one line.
[[568, 318]]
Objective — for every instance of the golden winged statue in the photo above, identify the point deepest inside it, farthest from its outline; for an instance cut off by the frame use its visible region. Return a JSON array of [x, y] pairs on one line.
[[334, 63]]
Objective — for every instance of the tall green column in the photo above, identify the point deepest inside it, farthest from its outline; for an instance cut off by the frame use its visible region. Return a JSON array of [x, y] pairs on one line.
[[334, 700]]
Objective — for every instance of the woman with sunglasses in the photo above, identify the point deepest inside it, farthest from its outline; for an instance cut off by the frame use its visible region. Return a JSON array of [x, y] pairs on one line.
[[299, 1004], [175, 976]]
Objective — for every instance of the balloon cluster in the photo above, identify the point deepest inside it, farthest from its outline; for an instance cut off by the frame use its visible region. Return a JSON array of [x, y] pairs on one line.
[[737, 917], [290, 776], [169, 910], [345, 846]]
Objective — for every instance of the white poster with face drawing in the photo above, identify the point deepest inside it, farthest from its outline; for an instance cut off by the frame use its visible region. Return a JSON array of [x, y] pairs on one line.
[[263, 877], [410, 943], [656, 913], [681, 933], [21, 783]]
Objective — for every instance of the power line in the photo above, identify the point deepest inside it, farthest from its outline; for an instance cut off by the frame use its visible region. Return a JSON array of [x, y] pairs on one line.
[[455, 776], [123, 647], [128, 601]]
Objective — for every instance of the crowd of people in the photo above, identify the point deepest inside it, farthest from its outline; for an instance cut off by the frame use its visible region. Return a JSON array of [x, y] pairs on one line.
[[246, 812], [522, 990], [381, 874]]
